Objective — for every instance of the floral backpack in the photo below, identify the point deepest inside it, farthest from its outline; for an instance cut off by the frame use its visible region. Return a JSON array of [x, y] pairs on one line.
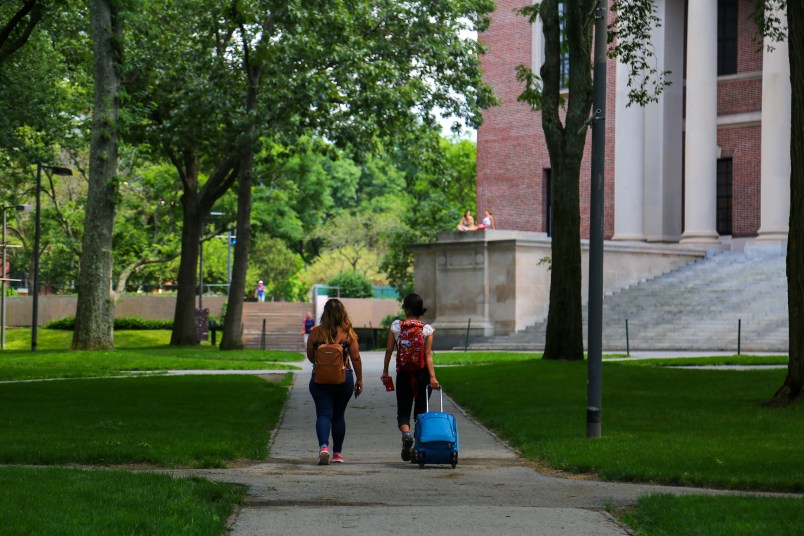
[[410, 346]]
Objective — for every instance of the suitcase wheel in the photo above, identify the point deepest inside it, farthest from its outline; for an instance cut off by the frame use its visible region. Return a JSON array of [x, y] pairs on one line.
[[420, 458], [454, 459]]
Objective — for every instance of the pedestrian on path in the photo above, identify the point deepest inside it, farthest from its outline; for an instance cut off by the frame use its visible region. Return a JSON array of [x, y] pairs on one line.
[[331, 399], [307, 327], [413, 340], [259, 292]]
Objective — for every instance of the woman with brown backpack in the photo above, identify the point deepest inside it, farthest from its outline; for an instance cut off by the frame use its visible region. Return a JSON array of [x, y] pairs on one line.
[[337, 373]]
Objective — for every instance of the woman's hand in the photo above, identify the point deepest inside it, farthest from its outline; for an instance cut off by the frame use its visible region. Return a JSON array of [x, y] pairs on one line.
[[434, 384], [358, 388]]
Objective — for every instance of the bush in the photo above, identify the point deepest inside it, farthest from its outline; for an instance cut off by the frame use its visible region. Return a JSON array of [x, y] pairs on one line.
[[353, 285], [131, 323]]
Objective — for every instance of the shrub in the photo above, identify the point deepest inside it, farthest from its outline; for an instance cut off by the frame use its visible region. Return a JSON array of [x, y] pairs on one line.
[[353, 285], [130, 323]]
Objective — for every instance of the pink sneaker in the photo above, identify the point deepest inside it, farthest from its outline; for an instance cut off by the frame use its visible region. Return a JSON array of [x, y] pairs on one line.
[[323, 456], [337, 458]]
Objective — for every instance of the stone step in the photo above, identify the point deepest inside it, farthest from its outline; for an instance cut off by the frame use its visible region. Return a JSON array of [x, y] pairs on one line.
[[697, 306]]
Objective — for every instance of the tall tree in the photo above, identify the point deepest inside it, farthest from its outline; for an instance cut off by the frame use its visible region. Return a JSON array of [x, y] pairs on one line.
[[774, 24], [349, 71], [17, 22], [568, 36], [94, 320]]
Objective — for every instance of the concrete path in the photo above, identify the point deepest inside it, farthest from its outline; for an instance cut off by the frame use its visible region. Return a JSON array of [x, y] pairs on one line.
[[492, 491]]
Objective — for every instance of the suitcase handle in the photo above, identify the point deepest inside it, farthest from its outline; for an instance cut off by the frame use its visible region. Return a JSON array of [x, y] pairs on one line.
[[440, 395]]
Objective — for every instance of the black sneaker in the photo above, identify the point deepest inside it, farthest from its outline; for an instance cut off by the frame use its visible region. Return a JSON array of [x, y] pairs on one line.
[[407, 447]]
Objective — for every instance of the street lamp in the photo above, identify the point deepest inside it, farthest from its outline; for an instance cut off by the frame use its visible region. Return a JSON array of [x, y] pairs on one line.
[[201, 263], [4, 274], [56, 170]]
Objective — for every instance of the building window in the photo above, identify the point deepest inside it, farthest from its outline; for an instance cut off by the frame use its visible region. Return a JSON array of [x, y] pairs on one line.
[[727, 13], [563, 74], [548, 207], [724, 179]]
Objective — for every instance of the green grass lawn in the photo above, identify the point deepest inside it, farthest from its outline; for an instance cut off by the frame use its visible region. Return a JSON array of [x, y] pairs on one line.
[[720, 360], [703, 515], [672, 426], [79, 502], [481, 358], [201, 421], [136, 351]]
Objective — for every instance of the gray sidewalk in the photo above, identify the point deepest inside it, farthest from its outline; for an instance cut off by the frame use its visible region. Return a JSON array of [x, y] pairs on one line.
[[492, 491]]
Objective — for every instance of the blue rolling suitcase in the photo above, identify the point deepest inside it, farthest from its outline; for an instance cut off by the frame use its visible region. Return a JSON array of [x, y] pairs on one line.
[[436, 437]]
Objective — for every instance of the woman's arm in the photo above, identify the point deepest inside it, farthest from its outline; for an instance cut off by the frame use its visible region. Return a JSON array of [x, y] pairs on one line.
[[428, 357], [389, 350], [311, 340], [357, 365]]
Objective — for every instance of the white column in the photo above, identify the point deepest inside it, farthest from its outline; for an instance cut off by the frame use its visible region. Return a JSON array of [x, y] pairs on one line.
[[536, 45], [629, 163], [664, 128], [700, 163], [776, 112]]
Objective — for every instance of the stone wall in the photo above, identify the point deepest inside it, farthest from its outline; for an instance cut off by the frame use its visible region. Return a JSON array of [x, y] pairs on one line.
[[495, 280], [363, 312]]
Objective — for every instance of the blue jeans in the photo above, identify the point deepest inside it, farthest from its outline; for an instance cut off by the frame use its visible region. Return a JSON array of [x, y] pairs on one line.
[[330, 409]]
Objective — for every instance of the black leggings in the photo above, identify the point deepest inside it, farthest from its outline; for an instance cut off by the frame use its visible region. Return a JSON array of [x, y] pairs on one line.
[[404, 394]]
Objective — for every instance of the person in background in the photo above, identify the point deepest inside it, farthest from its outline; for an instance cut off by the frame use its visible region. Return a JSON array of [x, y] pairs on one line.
[[307, 327], [488, 220], [331, 399], [467, 223], [259, 293]]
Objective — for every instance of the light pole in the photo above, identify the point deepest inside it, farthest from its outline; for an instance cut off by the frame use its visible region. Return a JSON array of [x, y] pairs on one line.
[[201, 264], [56, 170], [4, 274]]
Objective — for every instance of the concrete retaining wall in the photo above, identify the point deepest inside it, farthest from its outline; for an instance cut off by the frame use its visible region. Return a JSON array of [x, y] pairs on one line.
[[494, 278]]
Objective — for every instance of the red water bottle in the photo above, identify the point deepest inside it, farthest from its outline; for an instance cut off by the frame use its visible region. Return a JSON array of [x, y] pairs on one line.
[[389, 383]]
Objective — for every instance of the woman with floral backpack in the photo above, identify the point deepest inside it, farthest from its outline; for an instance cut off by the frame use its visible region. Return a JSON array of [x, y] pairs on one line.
[[413, 340]]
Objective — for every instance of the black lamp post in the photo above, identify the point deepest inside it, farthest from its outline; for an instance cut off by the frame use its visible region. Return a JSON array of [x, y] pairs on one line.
[[4, 275], [56, 170]]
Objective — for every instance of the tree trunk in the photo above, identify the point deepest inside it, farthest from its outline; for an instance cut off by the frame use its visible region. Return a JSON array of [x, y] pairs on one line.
[[791, 389], [184, 328], [565, 144], [94, 325], [232, 338]]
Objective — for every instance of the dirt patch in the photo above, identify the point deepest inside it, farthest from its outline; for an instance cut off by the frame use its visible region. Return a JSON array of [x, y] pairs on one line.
[[272, 377]]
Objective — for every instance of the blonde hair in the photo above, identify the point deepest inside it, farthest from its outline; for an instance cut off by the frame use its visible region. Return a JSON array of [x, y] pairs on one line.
[[334, 317]]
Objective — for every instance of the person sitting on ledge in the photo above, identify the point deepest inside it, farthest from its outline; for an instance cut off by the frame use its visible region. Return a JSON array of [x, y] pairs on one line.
[[467, 222], [488, 221]]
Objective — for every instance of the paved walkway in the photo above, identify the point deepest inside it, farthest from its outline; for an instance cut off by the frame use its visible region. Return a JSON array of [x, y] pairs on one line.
[[492, 491]]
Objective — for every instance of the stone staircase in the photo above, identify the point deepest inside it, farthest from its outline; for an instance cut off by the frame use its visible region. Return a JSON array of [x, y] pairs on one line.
[[283, 325], [696, 307]]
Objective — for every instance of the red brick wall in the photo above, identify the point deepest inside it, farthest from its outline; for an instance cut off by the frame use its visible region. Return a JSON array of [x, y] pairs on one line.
[[511, 152], [742, 145]]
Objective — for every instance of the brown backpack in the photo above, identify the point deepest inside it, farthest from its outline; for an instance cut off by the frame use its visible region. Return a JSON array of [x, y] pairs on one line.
[[330, 364]]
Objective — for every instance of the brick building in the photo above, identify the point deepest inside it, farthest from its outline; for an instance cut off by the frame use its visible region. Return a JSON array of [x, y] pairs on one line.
[[688, 168]]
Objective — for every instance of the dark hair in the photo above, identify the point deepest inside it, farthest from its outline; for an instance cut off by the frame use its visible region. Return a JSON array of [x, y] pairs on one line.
[[414, 304]]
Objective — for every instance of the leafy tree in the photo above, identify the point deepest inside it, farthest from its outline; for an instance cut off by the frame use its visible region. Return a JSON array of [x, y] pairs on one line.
[[17, 22], [273, 262], [770, 15], [441, 186], [146, 232], [348, 72], [352, 285], [568, 32]]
